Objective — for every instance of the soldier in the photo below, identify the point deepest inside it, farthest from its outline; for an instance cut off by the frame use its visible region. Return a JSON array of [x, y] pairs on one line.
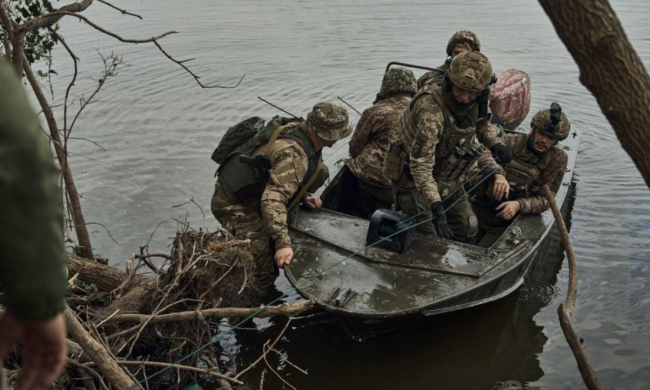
[[459, 42], [437, 134], [375, 130], [516, 188], [256, 209], [32, 255]]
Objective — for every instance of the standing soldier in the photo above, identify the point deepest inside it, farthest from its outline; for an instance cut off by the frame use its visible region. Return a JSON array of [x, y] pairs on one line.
[[516, 189], [253, 202], [375, 130], [435, 148], [460, 42]]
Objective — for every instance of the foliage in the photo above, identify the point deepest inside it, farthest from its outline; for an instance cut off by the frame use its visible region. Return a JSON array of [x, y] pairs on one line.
[[38, 43]]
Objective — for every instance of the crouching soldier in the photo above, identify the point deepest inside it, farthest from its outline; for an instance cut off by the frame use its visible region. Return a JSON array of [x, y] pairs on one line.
[[375, 130], [269, 175], [516, 189]]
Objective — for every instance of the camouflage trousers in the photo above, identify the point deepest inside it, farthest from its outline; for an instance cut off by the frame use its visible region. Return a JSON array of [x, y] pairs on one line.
[[491, 227], [245, 223], [460, 217]]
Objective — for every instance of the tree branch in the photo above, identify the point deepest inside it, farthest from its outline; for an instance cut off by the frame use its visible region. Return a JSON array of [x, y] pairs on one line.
[[51, 18], [123, 11]]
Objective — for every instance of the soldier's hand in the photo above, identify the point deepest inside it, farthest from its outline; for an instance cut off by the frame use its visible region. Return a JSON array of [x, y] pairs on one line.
[[508, 210], [440, 221], [44, 348], [501, 153], [501, 187], [312, 202], [283, 257]]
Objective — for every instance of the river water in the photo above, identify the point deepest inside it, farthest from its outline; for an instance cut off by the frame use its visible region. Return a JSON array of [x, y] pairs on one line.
[[159, 128]]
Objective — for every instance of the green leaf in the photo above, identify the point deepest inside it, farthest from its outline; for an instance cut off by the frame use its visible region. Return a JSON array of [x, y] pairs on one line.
[[193, 386], [48, 5]]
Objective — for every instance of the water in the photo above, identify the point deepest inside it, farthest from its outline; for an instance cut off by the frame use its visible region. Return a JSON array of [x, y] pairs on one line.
[[159, 128]]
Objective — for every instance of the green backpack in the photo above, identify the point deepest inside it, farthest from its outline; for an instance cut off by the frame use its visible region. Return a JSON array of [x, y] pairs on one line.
[[238, 135]]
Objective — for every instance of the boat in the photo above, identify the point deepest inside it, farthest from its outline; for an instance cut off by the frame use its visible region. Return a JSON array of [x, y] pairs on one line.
[[342, 273]]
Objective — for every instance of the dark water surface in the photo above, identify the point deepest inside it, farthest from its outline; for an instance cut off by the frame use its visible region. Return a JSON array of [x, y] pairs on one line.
[[159, 129]]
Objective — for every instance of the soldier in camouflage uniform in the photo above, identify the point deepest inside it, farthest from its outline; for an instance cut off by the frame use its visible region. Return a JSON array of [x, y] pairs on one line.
[[459, 42], [295, 159], [375, 130], [435, 147], [537, 160]]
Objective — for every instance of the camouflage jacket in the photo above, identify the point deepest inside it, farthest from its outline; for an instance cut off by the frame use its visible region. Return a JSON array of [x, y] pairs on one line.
[[289, 164], [32, 255], [421, 127], [432, 80], [375, 130], [551, 165]]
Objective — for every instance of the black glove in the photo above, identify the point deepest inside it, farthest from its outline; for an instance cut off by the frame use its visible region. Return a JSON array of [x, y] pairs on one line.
[[440, 221], [501, 153], [482, 102]]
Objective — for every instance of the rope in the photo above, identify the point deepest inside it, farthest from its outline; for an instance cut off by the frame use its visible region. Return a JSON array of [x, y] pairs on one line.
[[310, 280]]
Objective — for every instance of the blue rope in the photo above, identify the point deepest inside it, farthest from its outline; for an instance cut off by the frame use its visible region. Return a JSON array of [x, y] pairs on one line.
[[311, 279]]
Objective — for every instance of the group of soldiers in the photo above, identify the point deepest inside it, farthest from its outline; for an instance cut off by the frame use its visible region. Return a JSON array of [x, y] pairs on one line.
[[412, 151]]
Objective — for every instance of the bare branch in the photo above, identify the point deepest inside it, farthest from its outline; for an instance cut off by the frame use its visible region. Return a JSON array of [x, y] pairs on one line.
[[50, 19], [123, 11], [75, 59], [107, 231], [181, 63], [265, 352], [178, 366], [6, 22], [87, 140]]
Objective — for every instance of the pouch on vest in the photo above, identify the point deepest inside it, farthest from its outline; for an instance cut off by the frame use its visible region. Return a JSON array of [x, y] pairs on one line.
[[235, 136], [394, 161]]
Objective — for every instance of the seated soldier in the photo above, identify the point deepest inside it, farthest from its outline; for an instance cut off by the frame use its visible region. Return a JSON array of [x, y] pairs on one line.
[[375, 130], [459, 42], [516, 188], [256, 208]]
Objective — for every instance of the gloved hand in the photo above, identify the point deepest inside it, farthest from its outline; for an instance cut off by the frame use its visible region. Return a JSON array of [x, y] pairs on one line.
[[440, 221], [482, 102], [501, 153]]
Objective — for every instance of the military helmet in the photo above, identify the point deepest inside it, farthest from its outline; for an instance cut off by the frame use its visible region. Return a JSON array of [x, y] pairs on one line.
[[330, 121], [398, 80], [471, 71], [552, 121], [464, 38]]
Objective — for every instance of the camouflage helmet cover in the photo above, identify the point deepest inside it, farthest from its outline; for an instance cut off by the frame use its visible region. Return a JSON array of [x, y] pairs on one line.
[[398, 80], [463, 38], [552, 121], [330, 121], [471, 71]]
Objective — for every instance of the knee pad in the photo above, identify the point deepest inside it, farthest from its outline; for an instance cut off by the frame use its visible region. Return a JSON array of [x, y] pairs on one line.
[[472, 226]]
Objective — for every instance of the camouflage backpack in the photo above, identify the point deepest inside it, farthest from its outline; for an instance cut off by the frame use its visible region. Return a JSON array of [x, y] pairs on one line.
[[240, 133]]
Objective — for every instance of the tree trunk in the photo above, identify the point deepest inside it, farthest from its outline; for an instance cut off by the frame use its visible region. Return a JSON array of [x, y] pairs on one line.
[[106, 278], [77, 215], [610, 69]]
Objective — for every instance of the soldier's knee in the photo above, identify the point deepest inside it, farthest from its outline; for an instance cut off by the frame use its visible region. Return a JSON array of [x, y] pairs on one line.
[[472, 226]]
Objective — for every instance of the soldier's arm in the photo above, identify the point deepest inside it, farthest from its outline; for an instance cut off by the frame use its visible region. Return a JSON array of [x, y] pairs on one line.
[[488, 133], [427, 119], [361, 135], [487, 161], [552, 176], [32, 255], [289, 168]]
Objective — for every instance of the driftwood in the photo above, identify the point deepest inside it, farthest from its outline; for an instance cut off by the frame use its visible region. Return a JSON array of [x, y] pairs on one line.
[[565, 311], [285, 309], [105, 362], [104, 277]]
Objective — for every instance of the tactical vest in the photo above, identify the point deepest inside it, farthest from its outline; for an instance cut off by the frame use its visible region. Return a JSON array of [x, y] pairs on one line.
[[239, 180], [451, 156], [523, 174]]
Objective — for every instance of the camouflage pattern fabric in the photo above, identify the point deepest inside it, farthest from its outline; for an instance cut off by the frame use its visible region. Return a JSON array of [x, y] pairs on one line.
[[552, 175], [264, 220], [432, 80], [375, 130], [330, 121], [471, 71], [398, 80], [463, 38]]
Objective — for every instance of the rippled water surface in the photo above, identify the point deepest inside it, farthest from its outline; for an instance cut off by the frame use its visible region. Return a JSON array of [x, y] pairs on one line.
[[159, 128]]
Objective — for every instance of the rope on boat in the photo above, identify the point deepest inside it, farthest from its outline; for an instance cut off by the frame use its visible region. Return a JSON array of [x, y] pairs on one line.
[[309, 280], [565, 310]]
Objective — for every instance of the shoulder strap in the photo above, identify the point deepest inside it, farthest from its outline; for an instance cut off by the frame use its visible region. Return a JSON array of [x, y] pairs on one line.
[[305, 188], [274, 137]]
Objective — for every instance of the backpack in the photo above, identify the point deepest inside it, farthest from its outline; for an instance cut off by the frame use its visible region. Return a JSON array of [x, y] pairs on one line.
[[247, 132]]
